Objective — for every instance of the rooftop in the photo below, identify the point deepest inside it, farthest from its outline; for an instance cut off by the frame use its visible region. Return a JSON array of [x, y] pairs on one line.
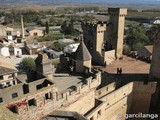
[[132, 69], [62, 83], [4, 70], [82, 53], [6, 66], [129, 66]]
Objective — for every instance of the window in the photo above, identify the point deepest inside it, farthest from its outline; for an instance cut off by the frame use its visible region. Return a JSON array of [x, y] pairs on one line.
[[1, 77], [99, 114], [14, 109], [1, 100], [39, 86], [9, 33], [107, 89], [14, 82], [32, 102], [92, 118], [35, 34], [14, 95], [8, 84], [48, 96]]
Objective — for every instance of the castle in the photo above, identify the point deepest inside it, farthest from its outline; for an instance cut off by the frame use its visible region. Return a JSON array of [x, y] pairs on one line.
[[82, 91]]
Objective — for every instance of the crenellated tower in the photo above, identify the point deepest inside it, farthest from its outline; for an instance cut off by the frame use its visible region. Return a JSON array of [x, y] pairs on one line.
[[116, 32]]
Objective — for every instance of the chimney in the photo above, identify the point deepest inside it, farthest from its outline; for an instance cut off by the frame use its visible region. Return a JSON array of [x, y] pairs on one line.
[[22, 27]]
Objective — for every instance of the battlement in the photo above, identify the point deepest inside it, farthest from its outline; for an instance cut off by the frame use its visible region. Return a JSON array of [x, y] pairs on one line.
[[90, 83], [38, 100], [95, 24], [149, 84], [149, 87], [117, 11]]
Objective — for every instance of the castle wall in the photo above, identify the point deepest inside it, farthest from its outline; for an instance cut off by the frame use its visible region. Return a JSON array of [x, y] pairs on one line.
[[105, 90], [142, 94], [155, 66], [115, 103], [109, 56]]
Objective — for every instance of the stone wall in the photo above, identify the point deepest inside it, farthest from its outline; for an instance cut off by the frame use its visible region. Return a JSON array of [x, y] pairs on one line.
[[142, 93], [115, 103], [109, 56]]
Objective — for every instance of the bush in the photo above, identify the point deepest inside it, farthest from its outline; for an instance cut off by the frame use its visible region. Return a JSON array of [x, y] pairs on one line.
[[29, 64]]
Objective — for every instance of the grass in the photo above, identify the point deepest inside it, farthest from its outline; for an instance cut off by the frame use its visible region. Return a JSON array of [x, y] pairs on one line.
[[55, 36]]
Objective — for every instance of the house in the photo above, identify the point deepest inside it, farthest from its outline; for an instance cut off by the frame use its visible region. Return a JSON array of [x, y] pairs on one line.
[[52, 54], [8, 73], [4, 50], [71, 48], [14, 50], [155, 21], [33, 47], [5, 41], [9, 33], [35, 32]]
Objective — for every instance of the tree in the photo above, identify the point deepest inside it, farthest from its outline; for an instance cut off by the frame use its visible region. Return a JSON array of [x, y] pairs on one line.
[[136, 37], [68, 28], [151, 33], [29, 64], [47, 28]]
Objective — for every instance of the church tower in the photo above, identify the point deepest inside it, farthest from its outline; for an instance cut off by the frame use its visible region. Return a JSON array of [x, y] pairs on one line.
[[22, 28], [116, 33]]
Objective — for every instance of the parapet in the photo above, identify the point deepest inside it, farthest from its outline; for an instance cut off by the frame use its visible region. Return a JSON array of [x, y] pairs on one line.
[[117, 11]]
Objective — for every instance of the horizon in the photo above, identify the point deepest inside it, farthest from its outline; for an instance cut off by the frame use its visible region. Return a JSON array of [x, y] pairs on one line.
[[122, 2]]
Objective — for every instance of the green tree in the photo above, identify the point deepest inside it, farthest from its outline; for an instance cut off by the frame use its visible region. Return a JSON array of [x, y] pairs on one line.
[[151, 33], [47, 28], [136, 37], [29, 64], [68, 28]]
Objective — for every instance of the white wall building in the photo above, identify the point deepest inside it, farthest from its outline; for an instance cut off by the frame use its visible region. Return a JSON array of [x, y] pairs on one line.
[[4, 50], [71, 48]]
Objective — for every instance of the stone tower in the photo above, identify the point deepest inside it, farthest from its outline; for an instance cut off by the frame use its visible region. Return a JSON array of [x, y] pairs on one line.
[[94, 39], [155, 63], [82, 60], [22, 28], [116, 33], [44, 66]]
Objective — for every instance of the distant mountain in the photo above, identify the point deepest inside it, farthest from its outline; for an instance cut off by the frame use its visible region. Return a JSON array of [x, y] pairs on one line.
[[79, 1]]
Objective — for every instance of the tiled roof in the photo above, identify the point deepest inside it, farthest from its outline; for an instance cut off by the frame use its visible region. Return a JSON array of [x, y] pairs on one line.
[[6, 66], [4, 70]]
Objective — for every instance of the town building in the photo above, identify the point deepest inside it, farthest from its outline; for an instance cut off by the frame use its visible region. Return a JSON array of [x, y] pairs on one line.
[[33, 32], [8, 74]]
